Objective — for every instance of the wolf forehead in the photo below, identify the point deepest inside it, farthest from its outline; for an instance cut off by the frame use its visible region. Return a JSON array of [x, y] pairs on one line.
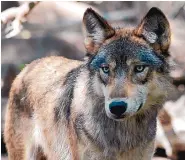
[[122, 50]]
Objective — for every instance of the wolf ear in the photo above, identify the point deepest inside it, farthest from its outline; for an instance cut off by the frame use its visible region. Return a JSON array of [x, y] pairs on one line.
[[96, 30], [155, 29]]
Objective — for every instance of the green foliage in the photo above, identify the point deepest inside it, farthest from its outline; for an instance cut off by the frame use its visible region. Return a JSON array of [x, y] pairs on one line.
[[21, 66]]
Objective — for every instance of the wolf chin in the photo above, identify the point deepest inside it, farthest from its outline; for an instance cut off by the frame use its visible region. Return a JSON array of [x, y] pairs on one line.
[[104, 107]]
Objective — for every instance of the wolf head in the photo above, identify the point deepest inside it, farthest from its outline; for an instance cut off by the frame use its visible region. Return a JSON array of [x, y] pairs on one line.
[[129, 66]]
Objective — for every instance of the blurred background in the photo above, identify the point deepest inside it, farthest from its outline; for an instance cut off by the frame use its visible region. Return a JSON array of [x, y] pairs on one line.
[[33, 30]]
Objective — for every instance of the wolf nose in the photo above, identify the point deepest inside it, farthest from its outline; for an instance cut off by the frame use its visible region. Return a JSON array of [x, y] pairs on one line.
[[118, 107]]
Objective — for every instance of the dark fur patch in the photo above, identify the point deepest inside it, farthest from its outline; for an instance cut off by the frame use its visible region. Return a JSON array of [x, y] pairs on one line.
[[140, 118], [22, 106], [21, 99], [78, 125], [67, 97], [80, 129], [22, 102], [40, 154]]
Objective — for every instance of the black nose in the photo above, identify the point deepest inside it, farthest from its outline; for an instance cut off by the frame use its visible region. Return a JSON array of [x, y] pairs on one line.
[[117, 107]]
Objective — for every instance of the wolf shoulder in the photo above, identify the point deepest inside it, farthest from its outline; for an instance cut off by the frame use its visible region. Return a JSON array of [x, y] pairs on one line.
[[42, 77], [46, 69]]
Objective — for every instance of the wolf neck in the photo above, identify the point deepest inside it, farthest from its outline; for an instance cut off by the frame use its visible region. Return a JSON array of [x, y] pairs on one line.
[[114, 136]]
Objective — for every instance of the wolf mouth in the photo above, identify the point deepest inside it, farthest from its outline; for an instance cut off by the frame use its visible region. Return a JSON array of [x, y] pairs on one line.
[[140, 106]]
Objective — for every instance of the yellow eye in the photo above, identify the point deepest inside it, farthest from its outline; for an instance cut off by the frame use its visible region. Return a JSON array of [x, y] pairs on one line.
[[139, 68]]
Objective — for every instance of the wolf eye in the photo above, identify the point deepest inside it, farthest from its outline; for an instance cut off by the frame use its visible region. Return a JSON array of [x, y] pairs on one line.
[[139, 68], [105, 68]]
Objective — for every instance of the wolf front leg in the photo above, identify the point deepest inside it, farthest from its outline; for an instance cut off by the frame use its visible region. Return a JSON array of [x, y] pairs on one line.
[[73, 141], [149, 151]]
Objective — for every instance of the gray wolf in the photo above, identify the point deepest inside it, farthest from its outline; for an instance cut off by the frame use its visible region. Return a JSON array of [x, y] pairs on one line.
[[104, 107]]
